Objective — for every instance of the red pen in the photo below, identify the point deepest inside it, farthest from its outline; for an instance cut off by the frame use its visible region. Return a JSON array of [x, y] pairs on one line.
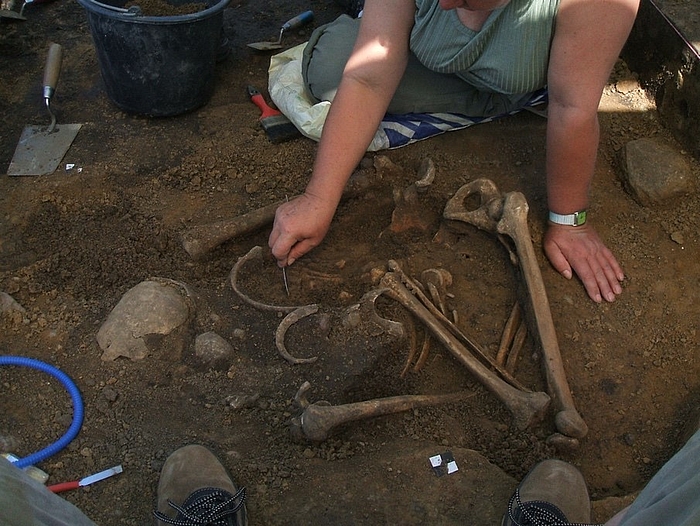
[[65, 486]]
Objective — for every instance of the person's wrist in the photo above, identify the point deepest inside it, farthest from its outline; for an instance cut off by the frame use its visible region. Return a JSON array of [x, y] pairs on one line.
[[578, 218]]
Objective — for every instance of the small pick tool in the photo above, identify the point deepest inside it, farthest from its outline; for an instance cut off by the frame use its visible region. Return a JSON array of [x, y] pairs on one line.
[[289, 25], [41, 148]]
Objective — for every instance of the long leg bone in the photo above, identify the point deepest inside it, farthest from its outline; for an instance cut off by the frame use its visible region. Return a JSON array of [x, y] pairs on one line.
[[318, 420], [527, 408], [513, 223]]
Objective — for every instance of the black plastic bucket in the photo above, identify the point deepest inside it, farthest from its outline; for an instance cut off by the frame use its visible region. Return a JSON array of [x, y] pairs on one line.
[[156, 65]]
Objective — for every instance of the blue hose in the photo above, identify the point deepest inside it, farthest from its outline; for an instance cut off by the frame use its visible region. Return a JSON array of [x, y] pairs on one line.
[[78, 411]]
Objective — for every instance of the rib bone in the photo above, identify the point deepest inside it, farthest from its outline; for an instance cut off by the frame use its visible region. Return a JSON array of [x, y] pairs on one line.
[[255, 252], [289, 320]]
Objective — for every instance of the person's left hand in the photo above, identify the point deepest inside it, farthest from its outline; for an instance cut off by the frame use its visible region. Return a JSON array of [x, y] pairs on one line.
[[579, 249]]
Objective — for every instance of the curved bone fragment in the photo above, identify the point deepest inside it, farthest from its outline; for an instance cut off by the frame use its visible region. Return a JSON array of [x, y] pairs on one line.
[[317, 421], [426, 173], [254, 253], [526, 407], [424, 353], [366, 309], [289, 320], [413, 347]]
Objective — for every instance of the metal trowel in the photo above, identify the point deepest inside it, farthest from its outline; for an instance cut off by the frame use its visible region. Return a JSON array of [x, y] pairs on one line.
[[289, 25], [41, 148], [14, 15]]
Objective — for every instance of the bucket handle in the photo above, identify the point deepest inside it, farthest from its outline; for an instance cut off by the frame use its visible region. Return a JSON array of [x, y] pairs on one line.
[[134, 10]]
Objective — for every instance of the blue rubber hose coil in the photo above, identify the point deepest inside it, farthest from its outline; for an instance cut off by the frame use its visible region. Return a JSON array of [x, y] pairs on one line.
[[78, 411]]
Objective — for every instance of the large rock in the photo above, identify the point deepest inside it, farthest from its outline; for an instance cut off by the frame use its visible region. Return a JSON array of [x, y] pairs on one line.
[[656, 172], [151, 308]]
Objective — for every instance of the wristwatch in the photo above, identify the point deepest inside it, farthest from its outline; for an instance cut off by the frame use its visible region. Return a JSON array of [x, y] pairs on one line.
[[575, 219]]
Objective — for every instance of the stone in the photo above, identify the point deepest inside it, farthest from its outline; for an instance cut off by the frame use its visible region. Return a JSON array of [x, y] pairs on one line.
[[8, 304], [213, 350], [656, 172]]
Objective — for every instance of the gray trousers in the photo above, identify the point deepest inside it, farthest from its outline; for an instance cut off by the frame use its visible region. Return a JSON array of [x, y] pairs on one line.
[[26, 502], [672, 496], [421, 90]]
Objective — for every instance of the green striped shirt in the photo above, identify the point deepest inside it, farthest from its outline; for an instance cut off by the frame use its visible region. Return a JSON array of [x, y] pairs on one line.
[[509, 55]]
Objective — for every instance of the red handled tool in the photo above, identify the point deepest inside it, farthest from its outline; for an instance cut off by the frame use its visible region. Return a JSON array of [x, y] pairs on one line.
[[75, 484], [277, 127]]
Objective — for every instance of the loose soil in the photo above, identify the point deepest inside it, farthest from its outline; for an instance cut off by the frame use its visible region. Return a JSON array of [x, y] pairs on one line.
[[74, 242]]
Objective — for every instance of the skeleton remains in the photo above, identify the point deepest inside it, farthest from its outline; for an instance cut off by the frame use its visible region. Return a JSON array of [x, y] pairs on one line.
[[506, 216]]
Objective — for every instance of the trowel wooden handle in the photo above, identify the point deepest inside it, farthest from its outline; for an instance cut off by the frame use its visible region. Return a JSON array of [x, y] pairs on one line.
[[52, 69]]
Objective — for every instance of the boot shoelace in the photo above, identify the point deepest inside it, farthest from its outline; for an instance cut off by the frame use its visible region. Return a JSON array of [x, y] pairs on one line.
[[206, 506], [537, 513]]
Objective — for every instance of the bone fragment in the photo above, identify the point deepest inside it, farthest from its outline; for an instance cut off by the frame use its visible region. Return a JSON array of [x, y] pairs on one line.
[[508, 334], [516, 347], [436, 298], [562, 442], [318, 420], [526, 407], [365, 310], [200, 240], [424, 353], [427, 175], [413, 348], [288, 321], [254, 253]]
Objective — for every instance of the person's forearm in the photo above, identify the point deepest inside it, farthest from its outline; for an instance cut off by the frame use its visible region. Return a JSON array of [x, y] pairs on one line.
[[349, 128], [572, 144], [370, 78]]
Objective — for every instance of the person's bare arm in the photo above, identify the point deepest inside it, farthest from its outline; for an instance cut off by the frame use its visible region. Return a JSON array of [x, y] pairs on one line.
[[370, 78], [588, 38]]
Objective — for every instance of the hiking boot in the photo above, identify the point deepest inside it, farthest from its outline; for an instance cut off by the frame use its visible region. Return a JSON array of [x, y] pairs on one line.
[[195, 489], [552, 494]]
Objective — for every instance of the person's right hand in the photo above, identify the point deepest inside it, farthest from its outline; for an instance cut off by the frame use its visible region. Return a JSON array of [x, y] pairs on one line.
[[300, 225]]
